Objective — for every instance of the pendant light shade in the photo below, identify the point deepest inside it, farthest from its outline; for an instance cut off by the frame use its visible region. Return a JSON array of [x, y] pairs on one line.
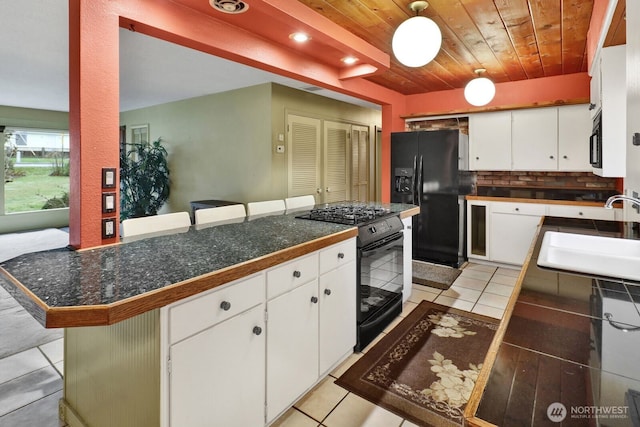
[[479, 91], [417, 40]]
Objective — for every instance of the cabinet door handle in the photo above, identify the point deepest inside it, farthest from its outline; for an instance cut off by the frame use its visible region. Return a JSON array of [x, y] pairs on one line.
[[477, 158], [257, 330], [225, 305], [327, 291], [314, 300], [551, 157], [340, 255], [297, 274], [517, 209], [580, 213], [565, 157]]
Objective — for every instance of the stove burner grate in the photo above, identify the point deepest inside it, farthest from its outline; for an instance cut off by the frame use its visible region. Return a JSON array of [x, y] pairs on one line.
[[350, 214]]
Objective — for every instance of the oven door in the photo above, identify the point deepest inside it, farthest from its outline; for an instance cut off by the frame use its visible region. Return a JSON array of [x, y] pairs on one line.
[[380, 276]]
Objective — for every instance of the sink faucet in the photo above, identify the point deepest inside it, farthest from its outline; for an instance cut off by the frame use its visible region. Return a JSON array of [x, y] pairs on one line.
[[610, 200]]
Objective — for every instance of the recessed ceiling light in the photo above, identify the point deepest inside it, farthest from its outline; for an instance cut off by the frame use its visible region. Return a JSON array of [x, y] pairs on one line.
[[300, 37], [349, 60]]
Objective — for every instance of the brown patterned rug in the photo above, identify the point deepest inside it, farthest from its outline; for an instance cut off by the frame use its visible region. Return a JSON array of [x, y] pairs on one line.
[[424, 370]]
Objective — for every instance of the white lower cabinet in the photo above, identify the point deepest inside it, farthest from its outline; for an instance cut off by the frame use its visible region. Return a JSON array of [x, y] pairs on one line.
[[513, 226], [502, 232], [219, 374], [292, 346], [337, 315]]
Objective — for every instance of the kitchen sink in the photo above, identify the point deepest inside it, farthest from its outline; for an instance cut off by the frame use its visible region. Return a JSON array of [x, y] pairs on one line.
[[603, 256]]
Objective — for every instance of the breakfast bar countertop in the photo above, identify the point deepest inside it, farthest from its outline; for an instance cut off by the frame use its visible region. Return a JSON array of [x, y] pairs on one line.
[[107, 284], [569, 339]]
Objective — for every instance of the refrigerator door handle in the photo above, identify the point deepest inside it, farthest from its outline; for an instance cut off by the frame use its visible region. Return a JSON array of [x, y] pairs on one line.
[[414, 186], [419, 184]]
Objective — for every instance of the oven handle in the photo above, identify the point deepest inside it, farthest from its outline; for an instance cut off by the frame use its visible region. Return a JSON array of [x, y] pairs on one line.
[[382, 245]]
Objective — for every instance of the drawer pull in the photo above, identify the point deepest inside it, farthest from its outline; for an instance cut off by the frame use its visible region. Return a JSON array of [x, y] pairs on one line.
[[340, 255], [297, 274], [580, 213], [225, 305], [517, 209], [257, 330], [314, 300], [327, 291]]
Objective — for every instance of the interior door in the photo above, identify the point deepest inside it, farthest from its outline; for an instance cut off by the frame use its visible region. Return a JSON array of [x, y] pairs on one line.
[[304, 160], [336, 174], [360, 163]]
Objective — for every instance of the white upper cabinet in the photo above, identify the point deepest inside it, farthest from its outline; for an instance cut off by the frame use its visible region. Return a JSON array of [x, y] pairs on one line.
[[534, 139], [534, 143], [490, 141], [574, 129]]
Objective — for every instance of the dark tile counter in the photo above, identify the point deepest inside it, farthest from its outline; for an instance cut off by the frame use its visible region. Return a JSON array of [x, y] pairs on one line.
[[573, 340], [538, 193]]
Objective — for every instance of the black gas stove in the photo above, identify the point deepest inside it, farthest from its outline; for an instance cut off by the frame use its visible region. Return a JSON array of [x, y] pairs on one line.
[[347, 213], [379, 264]]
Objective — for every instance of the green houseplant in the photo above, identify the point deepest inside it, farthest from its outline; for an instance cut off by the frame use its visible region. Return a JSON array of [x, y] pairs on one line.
[[144, 179]]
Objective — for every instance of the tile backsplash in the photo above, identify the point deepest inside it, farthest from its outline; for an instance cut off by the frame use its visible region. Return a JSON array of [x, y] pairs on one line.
[[573, 180]]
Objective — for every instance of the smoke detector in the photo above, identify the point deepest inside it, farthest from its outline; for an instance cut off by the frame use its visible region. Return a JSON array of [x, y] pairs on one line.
[[229, 6]]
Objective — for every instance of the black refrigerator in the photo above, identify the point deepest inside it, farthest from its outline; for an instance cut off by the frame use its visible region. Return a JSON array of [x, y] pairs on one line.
[[429, 169]]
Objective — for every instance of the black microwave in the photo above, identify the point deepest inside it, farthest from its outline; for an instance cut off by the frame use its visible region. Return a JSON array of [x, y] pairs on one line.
[[595, 142]]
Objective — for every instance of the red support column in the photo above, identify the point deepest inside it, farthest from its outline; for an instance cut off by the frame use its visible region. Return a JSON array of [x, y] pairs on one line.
[[93, 115]]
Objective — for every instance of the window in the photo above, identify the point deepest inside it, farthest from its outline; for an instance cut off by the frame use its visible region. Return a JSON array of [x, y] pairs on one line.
[[36, 169]]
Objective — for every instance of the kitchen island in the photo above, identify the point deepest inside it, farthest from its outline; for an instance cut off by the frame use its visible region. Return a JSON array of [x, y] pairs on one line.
[[172, 330], [568, 345]]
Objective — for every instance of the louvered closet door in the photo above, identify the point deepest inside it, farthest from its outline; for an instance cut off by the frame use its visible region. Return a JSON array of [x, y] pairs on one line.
[[303, 140], [360, 163], [336, 176]]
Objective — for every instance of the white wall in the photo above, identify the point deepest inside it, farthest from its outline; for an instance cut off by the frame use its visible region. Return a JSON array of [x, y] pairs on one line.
[[632, 181]]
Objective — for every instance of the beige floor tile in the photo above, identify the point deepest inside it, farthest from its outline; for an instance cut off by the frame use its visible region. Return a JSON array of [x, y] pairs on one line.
[[479, 267], [354, 411], [408, 308], [465, 294], [342, 368], [504, 280], [496, 288], [485, 310], [477, 274], [493, 300], [418, 296], [425, 288], [454, 303], [54, 351], [513, 272], [322, 399], [294, 418], [470, 283], [407, 423]]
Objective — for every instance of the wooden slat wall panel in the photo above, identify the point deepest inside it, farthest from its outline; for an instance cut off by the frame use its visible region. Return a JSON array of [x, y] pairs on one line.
[[617, 33]]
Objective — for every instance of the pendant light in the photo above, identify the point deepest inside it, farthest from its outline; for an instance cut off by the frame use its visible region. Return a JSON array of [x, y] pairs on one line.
[[479, 91], [418, 39]]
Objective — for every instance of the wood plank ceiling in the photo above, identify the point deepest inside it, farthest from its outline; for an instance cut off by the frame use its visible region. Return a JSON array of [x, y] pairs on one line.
[[512, 39]]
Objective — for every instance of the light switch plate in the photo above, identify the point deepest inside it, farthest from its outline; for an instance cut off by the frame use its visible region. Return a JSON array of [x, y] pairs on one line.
[[108, 177], [108, 228], [108, 202]]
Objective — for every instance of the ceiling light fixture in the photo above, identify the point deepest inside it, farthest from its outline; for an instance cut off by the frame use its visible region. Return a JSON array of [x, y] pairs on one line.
[[418, 39], [300, 37], [349, 60], [479, 91]]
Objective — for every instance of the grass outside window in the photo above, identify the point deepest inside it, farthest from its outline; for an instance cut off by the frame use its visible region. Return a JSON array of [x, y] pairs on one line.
[[31, 191]]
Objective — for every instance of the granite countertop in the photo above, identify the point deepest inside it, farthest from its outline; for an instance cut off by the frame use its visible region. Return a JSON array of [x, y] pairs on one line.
[[561, 346], [104, 285]]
